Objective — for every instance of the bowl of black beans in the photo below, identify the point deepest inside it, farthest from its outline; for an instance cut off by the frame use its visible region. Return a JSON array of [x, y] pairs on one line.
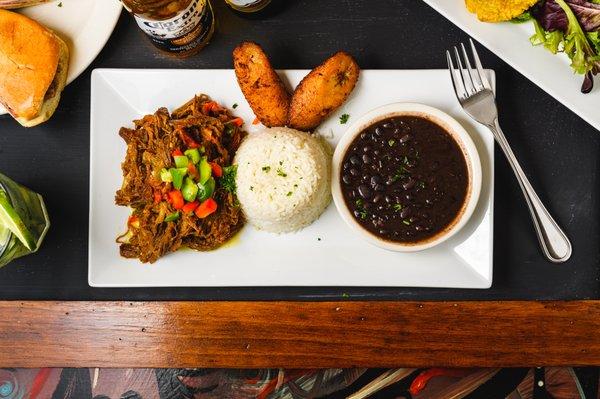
[[406, 177]]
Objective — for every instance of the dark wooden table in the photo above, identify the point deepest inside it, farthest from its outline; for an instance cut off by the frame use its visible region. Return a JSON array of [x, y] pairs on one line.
[[560, 152]]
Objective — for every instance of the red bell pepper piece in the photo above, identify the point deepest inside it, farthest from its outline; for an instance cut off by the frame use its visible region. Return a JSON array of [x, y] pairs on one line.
[[216, 169], [420, 382], [177, 153], [256, 121], [176, 199], [206, 208], [190, 207], [193, 171], [189, 142], [157, 197], [237, 121], [210, 106]]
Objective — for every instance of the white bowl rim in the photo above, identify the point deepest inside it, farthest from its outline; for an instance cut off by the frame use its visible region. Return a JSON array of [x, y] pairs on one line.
[[451, 125]]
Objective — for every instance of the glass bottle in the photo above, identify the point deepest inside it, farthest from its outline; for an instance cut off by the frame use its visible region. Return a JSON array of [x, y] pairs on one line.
[[247, 6], [177, 27]]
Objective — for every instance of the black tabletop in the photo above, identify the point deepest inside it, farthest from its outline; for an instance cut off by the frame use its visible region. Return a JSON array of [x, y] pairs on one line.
[[559, 151]]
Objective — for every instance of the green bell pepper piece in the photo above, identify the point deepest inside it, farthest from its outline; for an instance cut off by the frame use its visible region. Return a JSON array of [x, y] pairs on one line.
[[193, 154], [189, 190], [172, 217], [206, 190], [205, 170], [177, 175], [181, 161]]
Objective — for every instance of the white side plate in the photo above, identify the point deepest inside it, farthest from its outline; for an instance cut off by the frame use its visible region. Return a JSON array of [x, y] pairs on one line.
[[85, 25], [327, 253], [510, 42]]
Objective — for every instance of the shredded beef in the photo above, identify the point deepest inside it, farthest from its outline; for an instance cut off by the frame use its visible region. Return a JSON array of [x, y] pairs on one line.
[[150, 145]]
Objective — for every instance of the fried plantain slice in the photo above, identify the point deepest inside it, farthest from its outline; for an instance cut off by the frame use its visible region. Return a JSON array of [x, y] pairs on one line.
[[322, 91], [261, 85]]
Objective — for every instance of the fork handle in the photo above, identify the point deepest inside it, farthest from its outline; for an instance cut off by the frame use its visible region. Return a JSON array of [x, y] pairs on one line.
[[554, 242]]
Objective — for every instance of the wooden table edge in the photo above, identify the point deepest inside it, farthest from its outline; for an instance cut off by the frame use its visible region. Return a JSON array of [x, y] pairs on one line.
[[299, 334]]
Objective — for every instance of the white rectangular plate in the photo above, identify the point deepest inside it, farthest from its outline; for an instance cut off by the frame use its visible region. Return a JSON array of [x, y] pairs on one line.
[[326, 253], [510, 42]]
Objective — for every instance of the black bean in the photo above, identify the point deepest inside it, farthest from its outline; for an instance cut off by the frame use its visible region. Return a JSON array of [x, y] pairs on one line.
[[405, 213], [378, 131], [387, 125], [354, 172], [405, 138], [366, 178], [389, 181], [408, 197], [365, 191], [383, 232], [366, 148], [376, 152], [354, 160], [379, 187], [346, 166], [388, 199], [366, 159], [357, 214], [419, 228], [375, 179], [346, 179], [363, 135], [409, 184]]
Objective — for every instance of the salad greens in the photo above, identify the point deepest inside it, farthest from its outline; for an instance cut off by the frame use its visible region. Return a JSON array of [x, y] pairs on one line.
[[571, 27]]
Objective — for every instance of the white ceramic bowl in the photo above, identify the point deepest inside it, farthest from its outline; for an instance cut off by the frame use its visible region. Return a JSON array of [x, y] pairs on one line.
[[459, 134]]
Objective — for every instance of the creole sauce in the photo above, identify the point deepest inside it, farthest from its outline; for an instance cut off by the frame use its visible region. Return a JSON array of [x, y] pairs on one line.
[[404, 179]]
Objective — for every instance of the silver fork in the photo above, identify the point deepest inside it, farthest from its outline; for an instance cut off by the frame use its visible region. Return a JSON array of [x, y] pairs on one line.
[[475, 95]]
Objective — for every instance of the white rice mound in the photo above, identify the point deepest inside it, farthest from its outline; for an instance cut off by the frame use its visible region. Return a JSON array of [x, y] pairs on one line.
[[283, 179]]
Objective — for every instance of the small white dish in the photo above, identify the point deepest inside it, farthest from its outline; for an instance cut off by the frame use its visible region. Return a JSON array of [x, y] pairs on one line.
[[326, 253], [85, 25], [460, 136]]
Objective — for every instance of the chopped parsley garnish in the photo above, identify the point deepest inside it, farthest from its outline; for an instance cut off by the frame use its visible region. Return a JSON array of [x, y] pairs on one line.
[[400, 173], [281, 173], [228, 178], [397, 207], [295, 186], [362, 212], [266, 169], [251, 188], [234, 106], [421, 184], [229, 128], [280, 163], [344, 118], [289, 194], [60, 4], [344, 295], [391, 142], [318, 238], [406, 222]]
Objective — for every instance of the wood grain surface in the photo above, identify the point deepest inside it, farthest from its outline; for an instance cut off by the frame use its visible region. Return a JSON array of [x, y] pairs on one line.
[[298, 334]]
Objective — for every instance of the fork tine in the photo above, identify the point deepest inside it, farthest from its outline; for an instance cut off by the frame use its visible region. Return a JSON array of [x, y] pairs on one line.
[[468, 83], [480, 71], [473, 73], [459, 88]]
